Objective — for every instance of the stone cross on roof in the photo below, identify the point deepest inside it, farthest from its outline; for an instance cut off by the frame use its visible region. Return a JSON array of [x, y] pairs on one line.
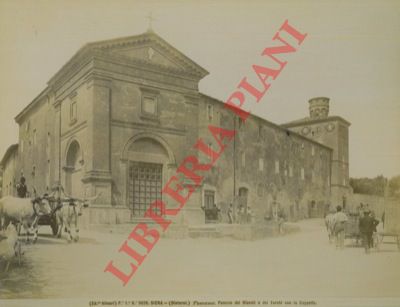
[[151, 19]]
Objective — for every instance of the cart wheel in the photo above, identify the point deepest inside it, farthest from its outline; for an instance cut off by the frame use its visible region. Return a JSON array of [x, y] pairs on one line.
[[54, 227]]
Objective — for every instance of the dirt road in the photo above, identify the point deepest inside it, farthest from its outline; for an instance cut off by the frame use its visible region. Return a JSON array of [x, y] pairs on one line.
[[301, 264]]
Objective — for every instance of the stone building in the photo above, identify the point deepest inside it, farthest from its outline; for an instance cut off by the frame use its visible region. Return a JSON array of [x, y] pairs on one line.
[[332, 131], [9, 165], [121, 114]]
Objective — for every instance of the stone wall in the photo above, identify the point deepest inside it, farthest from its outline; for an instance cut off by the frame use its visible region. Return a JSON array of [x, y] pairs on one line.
[[270, 162]]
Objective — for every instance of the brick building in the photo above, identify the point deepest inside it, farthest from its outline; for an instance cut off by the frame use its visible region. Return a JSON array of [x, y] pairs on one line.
[[121, 114]]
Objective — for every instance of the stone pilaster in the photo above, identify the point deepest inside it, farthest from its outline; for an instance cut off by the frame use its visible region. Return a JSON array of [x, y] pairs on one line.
[[97, 178]]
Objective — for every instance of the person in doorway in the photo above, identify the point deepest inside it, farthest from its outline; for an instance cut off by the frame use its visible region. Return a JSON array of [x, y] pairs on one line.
[[241, 214], [22, 189], [339, 220]]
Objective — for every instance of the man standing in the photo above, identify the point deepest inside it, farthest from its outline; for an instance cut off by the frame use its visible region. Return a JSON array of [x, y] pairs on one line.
[[230, 214], [21, 188], [375, 223], [340, 219], [366, 226]]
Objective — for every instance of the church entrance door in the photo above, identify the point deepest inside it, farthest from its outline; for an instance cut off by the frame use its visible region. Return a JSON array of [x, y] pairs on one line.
[[145, 185]]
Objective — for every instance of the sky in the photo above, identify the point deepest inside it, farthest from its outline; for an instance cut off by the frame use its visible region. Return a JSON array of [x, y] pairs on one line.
[[351, 55]]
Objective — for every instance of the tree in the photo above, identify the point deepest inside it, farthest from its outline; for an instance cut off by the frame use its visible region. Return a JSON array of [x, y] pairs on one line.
[[371, 186], [394, 187]]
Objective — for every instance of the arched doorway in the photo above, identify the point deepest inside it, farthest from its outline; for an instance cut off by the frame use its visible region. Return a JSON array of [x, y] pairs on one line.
[[74, 170], [243, 194], [147, 160]]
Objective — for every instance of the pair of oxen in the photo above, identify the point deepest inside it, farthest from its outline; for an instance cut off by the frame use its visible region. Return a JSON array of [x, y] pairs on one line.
[[26, 212]]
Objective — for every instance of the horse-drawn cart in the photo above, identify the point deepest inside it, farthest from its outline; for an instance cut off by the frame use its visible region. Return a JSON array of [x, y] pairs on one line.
[[50, 219], [351, 229]]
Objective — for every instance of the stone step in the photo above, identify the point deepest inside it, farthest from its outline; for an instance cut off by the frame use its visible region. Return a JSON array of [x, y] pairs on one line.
[[204, 232]]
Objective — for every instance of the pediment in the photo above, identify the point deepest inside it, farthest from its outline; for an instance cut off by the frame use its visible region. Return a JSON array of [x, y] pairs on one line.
[[151, 49], [148, 54]]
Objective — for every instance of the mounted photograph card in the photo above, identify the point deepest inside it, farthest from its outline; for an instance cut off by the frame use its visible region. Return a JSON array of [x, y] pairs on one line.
[[199, 153]]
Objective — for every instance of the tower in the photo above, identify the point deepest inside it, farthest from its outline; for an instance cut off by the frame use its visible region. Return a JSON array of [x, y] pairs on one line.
[[332, 131]]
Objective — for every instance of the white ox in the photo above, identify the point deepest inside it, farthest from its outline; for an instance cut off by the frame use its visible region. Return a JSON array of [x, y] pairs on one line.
[[330, 225], [68, 214], [24, 211]]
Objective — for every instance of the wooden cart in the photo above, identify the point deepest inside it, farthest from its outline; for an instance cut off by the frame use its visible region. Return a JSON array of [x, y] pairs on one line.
[[351, 230]]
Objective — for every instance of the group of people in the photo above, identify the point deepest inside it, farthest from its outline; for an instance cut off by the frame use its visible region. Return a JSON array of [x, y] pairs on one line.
[[367, 226], [243, 215]]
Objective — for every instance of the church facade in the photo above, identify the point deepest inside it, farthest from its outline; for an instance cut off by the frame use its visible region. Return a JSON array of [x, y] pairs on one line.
[[118, 118]]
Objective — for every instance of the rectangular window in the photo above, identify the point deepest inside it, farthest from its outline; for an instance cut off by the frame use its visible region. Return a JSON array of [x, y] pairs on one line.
[[261, 164], [149, 105], [276, 167], [48, 144], [210, 112], [285, 168], [34, 137], [302, 173], [48, 174], [290, 171], [240, 120], [73, 112], [209, 199], [312, 150]]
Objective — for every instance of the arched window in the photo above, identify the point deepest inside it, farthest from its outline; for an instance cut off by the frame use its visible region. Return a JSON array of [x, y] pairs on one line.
[[74, 158]]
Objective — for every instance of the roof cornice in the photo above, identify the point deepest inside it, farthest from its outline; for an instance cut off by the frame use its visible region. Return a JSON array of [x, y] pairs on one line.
[[309, 121], [8, 153], [31, 105], [271, 124]]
